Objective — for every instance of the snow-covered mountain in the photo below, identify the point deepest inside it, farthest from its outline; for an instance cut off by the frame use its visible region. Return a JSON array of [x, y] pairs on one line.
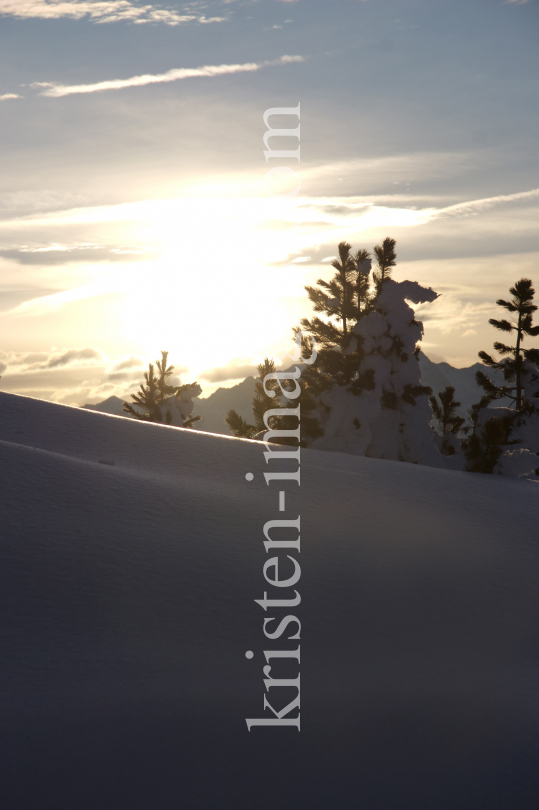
[[131, 558], [214, 408]]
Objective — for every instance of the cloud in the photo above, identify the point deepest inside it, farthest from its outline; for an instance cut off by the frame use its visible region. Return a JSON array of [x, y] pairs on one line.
[[128, 363], [515, 2], [49, 303], [127, 371], [106, 11], [228, 372], [71, 357], [74, 376], [177, 74], [7, 96], [54, 255], [487, 202]]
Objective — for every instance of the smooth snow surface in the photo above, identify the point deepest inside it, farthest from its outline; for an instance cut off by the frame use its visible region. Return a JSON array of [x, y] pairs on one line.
[[131, 556]]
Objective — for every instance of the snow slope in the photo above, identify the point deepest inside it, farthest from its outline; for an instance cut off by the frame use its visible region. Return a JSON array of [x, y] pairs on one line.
[[131, 556]]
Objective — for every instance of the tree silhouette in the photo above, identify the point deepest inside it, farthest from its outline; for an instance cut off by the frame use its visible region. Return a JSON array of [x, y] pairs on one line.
[[147, 398], [155, 393], [343, 300], [386, 259], [446, 411], [261, 403], [513, 365], [485, 446]]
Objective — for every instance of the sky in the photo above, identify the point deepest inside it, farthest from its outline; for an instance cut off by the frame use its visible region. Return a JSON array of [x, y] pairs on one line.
[[136, 213]]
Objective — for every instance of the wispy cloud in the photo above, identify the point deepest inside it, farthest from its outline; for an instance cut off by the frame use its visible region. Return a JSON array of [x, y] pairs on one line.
[[49, 303], [57, 90], [56, 254], [487, 202], [106, 11], [8, 96], [515, 2]]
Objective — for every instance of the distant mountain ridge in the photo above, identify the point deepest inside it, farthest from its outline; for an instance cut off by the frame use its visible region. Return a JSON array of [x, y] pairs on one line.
[[213, 409], [113, 405], [439, 375]]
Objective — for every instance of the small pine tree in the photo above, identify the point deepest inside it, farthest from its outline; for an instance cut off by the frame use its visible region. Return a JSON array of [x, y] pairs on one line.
[[261, 403], [487, 443], [513, 365], [449, 422], [473, 415], [155, 395], [146, 398], [446, 411]]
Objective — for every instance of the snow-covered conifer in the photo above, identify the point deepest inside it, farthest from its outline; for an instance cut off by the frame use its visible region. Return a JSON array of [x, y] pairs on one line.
[[384, 411]]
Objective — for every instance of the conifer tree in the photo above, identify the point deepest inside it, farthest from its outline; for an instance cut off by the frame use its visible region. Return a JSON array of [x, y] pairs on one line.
[[374, 360], [487, 443], [155, 397], [446, 411], [386, 259], [449, 422], [335, 298], [474, 414], [165, 389], [343, 300], [146, 398], [261, 403], [517, 363]]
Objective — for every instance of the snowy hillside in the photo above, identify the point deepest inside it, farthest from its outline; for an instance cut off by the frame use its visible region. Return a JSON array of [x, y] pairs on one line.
[[131, 556]]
